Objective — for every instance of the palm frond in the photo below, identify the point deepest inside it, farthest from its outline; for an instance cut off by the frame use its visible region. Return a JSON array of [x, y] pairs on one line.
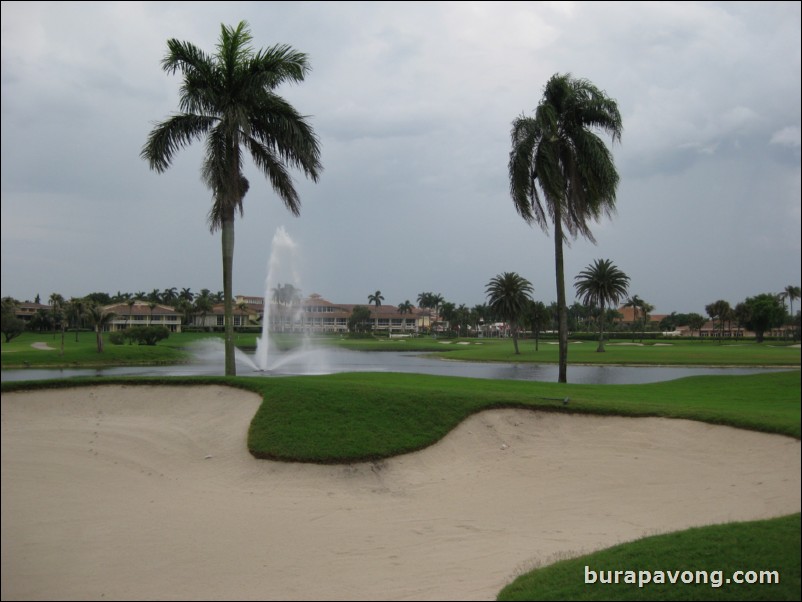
[[172, 135]]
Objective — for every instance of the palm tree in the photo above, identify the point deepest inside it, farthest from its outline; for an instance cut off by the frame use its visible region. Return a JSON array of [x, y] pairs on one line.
[[376, 298], [561, 171], [228, 100], [130, 303], [600, 284], [539, 318], [634, 302], [405, 307], [99, 320], [75, 311], [508, 298], [718, 309], [792, 293]]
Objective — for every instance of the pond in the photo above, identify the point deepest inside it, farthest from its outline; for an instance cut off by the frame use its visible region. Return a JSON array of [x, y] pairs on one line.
[[332, 360]]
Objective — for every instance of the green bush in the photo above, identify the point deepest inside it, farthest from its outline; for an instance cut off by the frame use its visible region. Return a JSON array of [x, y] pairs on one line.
[[147, 335], [118, 337]]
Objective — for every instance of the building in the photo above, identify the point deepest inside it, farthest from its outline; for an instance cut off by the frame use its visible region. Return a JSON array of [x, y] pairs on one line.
[[318, 315], [142, 313]]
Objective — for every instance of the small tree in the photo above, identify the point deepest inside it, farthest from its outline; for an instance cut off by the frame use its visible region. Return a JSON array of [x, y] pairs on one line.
[[601, 284], [359, 320], [539, 318], [696, 322], [764, 312], [11, 326], [99, 319], [508, 297]]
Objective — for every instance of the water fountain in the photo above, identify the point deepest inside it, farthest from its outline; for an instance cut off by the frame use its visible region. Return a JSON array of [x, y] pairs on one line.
[[282, 266]]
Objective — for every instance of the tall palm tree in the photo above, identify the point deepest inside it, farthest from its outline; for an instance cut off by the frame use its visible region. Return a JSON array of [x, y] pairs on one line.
[[228, 100], [600, 284], [508, 297], [562, 172], [376, 298], [405, 307]]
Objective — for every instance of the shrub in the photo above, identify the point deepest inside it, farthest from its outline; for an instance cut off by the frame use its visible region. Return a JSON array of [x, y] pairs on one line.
[[147, 335]]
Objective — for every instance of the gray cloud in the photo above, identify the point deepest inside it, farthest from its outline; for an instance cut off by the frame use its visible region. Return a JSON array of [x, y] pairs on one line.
[[413, 105]]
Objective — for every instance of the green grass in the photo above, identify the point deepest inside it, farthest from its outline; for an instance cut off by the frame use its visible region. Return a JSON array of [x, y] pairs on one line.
[[770, 545], [176, 349], [665, 353]]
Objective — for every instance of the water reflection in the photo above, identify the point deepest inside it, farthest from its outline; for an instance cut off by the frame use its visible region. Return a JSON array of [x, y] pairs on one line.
[[341, 360]]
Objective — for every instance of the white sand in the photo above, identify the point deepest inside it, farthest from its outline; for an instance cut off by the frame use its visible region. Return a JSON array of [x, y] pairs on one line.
[[149, 493]]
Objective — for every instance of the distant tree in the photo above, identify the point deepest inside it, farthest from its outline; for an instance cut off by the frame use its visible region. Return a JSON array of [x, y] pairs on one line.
[[75, 310], [151, 305], [99, 320], [12, 326], [98, 297], [203, 304], [599, 285], [376, 298], [539, 318], [169, 296], [764, 312], [791, 293], [508, 297], [482, 315], [405, 307], [718, 310], [634, 302], [186, 295], [130, 303], [696, 322], [57, 311], [561, 171], [359, 321], [462, 319], [285, 294]]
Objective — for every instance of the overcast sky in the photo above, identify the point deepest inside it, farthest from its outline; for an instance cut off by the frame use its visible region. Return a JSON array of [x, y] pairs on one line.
[[413, 104]]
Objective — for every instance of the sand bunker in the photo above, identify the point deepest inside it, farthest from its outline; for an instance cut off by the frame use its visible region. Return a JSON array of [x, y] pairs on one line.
[[149, 493]]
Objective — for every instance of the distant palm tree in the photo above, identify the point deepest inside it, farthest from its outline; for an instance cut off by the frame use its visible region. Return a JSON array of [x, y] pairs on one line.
[[539, 318], [130, 303], [75, 311], [405, 307], [169, 295], [203, 304], [508, 298], [598, 285], [718, 310], [99, 320], [634, 302], [376, 298], [228, 100], [561, 172], [792, 293]]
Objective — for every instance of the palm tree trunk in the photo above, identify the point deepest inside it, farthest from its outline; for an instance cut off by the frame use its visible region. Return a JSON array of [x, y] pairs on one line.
[[562, 310], [515, 339], [227, 229], [600, 348]]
